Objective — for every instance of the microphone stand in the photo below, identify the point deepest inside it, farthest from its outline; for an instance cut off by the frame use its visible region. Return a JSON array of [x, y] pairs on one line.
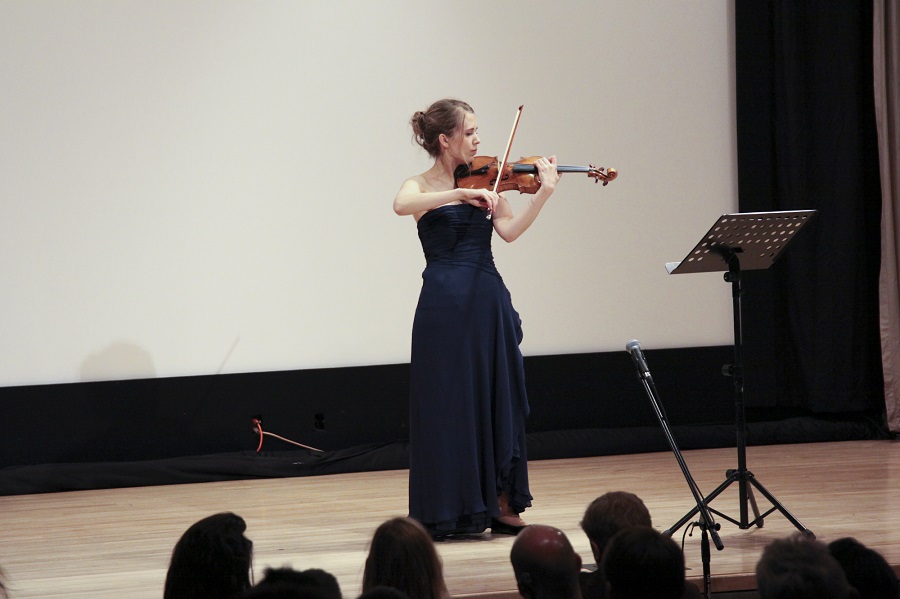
[[707, 524], [704, 554]]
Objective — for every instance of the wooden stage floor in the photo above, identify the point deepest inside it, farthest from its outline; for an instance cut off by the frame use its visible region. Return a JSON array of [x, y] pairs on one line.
[[117, 543]]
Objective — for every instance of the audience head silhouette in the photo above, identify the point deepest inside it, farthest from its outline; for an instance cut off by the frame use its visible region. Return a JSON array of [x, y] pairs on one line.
[[800, 568], [641, 563], [610, 513], [866, 570], [545, 564], [383, 592], [212, 558], [287, 583], [402, 556]]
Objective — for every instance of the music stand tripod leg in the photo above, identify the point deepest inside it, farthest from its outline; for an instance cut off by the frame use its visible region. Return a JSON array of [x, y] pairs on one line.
[[784, 511], [746, 491]]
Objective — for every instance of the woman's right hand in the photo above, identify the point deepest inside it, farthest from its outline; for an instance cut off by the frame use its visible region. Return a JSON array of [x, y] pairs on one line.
[[482, 198]]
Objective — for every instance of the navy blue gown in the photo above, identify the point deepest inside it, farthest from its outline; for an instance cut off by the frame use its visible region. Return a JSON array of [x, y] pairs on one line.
[[467, 382]]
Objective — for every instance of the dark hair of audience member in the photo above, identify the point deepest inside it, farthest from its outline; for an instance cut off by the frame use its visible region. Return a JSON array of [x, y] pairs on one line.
[[800, 568], [4, 593], [278, 591], [212, 558], [383, 592], [640, 562], [288, 583], [611, 512], [866, 570], [402, 555]]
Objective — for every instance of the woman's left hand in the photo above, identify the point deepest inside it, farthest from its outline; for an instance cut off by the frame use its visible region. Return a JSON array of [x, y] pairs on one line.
[[547, 172]]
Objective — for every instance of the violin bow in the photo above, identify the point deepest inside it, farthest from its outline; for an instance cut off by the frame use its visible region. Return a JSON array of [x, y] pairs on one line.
[[502, 165]]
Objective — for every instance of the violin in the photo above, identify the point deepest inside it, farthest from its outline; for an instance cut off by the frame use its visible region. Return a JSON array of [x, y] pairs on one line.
[[521, 175]]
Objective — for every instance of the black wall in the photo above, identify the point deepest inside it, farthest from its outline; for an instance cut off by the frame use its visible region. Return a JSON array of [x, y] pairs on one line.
[[334, 408]]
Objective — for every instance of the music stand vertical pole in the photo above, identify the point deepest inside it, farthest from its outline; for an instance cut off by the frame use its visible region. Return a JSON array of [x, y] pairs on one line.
[[736, 371]]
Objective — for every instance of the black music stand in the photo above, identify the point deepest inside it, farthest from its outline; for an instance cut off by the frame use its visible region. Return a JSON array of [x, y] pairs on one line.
[[744, 241]]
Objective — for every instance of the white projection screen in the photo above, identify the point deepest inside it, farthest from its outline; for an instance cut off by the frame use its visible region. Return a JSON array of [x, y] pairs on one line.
[[196, 187]]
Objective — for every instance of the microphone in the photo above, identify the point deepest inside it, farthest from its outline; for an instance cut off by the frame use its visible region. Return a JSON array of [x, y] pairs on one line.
[[633, 347]]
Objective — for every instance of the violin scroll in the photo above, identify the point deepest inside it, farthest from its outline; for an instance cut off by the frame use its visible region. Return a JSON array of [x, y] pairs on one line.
[[597, 174]]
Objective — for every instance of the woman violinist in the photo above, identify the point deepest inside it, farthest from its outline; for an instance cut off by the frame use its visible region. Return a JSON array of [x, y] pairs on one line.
[[468, 466]]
